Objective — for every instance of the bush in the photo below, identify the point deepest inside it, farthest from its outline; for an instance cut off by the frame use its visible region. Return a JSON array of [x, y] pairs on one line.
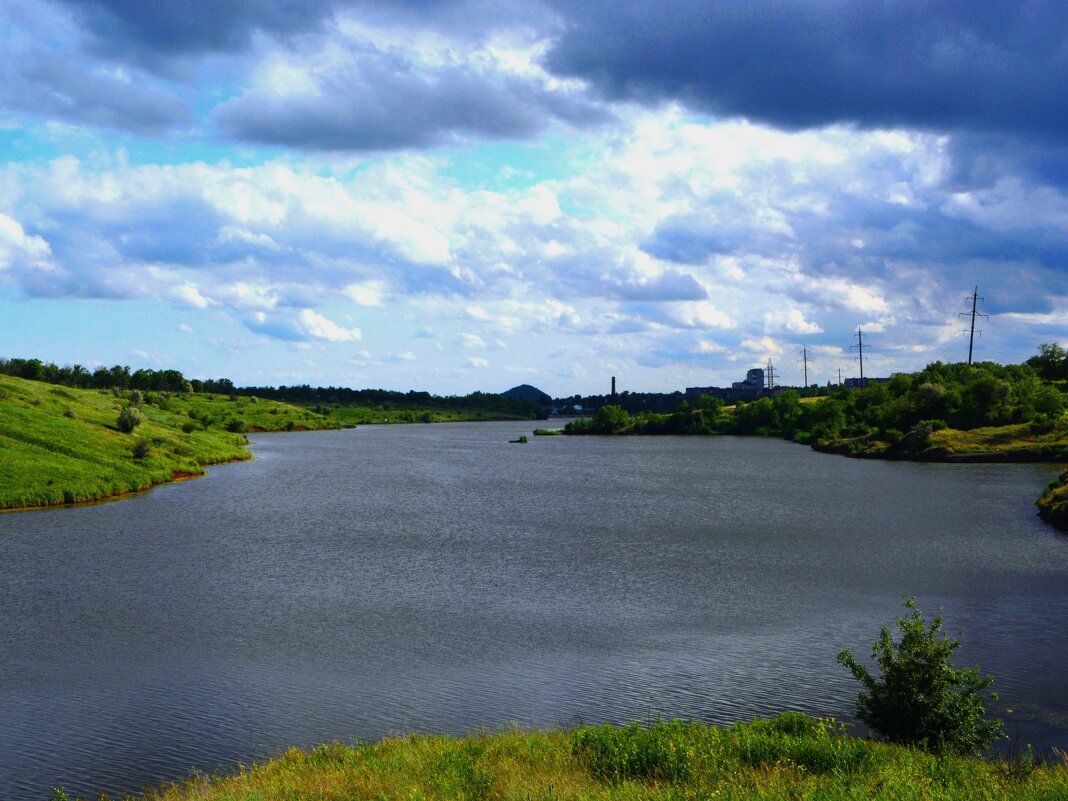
[[236, 426], [921, 699], [141, 450], [129, 419]]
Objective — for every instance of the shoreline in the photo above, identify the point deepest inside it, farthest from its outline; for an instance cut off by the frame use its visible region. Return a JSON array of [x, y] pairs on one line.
[[177, 476]]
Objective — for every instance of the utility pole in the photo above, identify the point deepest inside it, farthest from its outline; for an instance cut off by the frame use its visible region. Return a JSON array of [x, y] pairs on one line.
[[860, 349], [804, 358], [974, 298], [770, 376]]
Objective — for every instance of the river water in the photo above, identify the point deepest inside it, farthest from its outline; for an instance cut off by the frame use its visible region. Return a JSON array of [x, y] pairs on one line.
[[434, 578]]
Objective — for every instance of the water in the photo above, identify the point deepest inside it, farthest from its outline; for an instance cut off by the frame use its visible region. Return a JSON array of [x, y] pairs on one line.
[[434, 578]]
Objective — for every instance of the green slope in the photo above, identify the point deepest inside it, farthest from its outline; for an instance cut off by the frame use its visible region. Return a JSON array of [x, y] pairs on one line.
[[61, 445]]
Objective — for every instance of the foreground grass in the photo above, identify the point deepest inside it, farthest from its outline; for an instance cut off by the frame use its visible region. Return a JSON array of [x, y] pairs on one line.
[[790, 757], [61, 445]]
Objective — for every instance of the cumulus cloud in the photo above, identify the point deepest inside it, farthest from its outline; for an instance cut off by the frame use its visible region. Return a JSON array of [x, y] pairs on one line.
[[301, 326], [44, 76], [372, 101]]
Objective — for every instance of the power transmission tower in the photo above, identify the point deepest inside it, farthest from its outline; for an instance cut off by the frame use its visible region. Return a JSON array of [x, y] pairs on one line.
[[804, 358], [859, 347], [839, 376], [974, 298], [770, 375]]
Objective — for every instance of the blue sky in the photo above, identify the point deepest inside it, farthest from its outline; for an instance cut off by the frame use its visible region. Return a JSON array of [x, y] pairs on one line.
[[454, 195]]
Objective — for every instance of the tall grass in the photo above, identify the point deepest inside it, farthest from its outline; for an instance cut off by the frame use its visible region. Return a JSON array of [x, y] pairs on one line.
[[789, 757]]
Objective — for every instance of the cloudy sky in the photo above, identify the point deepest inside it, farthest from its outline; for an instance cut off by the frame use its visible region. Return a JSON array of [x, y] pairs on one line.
[[470, 194]]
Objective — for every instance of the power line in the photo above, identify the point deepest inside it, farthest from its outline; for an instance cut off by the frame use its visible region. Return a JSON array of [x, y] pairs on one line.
[[974, 298], [804, 358], [859, 347]]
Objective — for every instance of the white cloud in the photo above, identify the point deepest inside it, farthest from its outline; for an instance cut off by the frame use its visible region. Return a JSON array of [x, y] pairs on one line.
[[368, 293], [190, 295], [319, 327]]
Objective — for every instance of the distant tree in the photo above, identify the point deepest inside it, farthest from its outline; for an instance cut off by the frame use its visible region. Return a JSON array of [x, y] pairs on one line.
[[129, 418], [610, 419], [1051, 362]]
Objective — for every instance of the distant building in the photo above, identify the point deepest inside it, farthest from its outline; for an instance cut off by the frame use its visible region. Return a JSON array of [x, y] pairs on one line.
[[754, 380], [749, 389], [855, 383]]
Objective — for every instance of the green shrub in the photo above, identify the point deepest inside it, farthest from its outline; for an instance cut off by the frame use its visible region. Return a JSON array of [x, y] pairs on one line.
[[141, 450], [921, 699], [129, 419], [236, 426]]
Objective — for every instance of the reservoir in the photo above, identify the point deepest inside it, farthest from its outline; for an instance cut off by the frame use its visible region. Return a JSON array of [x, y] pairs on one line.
[[353, 584]]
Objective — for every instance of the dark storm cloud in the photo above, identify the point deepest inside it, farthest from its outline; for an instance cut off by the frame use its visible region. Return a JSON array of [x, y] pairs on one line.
[[148, 30], [377, 101], [51, 85], [153, 32], [957, 65]]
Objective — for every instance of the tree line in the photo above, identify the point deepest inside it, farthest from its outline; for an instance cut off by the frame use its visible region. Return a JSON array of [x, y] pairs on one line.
[[121, 377], [941, 395]]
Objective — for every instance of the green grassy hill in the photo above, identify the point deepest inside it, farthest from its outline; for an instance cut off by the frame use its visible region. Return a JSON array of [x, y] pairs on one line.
[[62, 445], [789, 757]]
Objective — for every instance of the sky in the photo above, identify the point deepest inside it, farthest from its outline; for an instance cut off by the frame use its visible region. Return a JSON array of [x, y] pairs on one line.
[[459, 195]]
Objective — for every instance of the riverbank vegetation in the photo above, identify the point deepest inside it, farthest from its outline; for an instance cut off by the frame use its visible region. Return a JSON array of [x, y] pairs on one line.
[[62, 445], [345, 406], [792, 756], [990, 407]]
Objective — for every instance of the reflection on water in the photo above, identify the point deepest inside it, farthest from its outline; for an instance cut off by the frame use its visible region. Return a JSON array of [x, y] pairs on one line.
[[434, 578]]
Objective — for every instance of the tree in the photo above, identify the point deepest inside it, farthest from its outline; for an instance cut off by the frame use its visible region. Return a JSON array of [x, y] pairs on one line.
[[1051, 361], [610, 419], [129, 418], [921, 699]]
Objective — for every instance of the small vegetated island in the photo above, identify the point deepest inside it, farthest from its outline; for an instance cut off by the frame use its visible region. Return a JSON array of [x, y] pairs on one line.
[[70, 435], [984, 412]]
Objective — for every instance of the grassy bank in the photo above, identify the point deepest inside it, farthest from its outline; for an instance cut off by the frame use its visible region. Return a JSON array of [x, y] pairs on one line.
[[1010, 443], [385, 414], [790, 757], [62, 445], [1053, 505]]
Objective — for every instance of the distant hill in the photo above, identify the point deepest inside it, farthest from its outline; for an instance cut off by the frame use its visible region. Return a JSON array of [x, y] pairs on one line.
[[528, 393]]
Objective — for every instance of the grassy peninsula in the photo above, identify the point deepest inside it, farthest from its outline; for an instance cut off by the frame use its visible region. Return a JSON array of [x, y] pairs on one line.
[[789, 757], [61, 444], [61, 440]]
